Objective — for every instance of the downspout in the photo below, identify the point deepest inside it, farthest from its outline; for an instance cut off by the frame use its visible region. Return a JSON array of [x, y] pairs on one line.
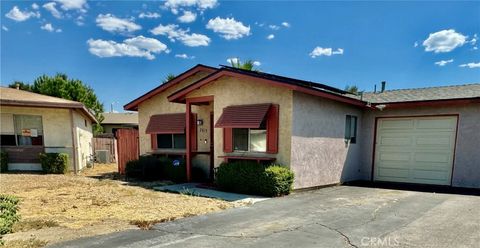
[[74, 143]]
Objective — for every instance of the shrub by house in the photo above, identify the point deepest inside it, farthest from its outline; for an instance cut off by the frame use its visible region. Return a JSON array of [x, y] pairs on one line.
[[54, 163]]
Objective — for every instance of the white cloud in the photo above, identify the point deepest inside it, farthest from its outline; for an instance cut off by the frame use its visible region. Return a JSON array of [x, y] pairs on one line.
[[113, 24], [149, 15], [184, 56], [444, 41], [35, 6], [471, 65], [474, 40], [187, 17], [49, 27], [73, 4], [174, 33], [4, 28], [475, 48], [270, 37], [17, 15], [257, 63], [415, 44], [53, 10], [228, 28], [133, 47], [201, 5], [320, 51], [80, 21], [286, 24], [233, 60], [274, 27], [443, 62]]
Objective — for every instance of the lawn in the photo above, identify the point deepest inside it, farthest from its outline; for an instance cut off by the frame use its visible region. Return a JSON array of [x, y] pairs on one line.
[[55, 208]]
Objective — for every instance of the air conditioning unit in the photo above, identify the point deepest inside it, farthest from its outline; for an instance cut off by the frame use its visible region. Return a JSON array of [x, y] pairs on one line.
[[103, 156]]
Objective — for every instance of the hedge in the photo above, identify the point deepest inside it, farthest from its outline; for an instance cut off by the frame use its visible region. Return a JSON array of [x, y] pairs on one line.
[[55, 163], [3, 161], [149, 168], [248, 177], [8, 213]]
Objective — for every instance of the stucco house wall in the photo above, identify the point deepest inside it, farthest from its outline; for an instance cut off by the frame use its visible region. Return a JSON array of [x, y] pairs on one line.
[[320, 155], [466, 171], [83, 130], [56, 137], [233, 91], [159, 104]]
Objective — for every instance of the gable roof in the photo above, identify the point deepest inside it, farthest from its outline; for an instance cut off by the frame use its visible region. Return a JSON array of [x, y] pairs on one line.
[[120, 118], [451, 92], [133, 105], [307, 87], [15, 97]]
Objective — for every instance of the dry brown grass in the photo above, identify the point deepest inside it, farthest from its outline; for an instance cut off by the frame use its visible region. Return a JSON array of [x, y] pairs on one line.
[[94, 203]]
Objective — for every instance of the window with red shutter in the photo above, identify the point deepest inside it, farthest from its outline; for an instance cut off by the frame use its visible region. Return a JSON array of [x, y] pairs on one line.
[[272, 129]]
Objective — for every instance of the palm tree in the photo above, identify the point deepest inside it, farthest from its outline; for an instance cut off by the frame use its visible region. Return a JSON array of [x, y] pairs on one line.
[[248, 65], [169, 77], [352, 89]]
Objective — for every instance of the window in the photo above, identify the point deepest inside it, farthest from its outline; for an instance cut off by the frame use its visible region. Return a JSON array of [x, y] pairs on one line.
[[250, 139], [351, 129], [86, 123], [171, 141], [29, 130]]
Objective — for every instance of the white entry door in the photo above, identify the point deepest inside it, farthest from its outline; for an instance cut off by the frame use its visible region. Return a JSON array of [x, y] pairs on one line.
[[415, 150]]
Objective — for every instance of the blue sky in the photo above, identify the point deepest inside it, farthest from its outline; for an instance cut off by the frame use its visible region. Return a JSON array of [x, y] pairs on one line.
[[125, 48]]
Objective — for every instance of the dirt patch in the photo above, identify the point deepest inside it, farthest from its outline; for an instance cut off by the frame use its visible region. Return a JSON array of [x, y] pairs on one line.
[[56, 208]]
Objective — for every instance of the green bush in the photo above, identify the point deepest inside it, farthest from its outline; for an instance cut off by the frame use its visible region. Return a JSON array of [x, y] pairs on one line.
[[175, 169], [8, 213], [55, 163], [248, 177], [3, 161], [147, 168]]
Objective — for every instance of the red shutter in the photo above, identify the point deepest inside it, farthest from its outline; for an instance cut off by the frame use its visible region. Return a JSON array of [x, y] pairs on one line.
[[227, 140], [272, 129], [193, 132], [153, 139]]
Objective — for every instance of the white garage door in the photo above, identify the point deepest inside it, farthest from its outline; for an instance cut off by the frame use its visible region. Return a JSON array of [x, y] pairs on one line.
[[415, 150]]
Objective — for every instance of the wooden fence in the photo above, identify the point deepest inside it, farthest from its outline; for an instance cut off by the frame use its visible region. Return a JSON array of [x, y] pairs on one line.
[[106, 142], [127, 146]]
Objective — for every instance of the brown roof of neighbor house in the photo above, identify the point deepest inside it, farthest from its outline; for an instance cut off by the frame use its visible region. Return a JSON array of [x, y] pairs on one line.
[[15, 97], [120, 118], [424, 94]]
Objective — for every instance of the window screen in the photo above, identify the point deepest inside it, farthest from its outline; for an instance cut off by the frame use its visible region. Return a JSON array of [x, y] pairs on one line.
[[351, 128]]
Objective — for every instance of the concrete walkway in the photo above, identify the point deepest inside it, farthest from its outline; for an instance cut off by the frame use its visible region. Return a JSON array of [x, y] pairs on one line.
[[341, 216], [193, 189]]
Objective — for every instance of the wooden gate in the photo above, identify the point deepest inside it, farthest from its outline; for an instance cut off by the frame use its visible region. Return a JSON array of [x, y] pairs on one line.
[[106, 142], [127, 147]]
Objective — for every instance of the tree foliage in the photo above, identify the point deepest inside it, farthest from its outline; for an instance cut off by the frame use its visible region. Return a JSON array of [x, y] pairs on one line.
[[169, 77], [71, 89], [352, 89], [248, 65]]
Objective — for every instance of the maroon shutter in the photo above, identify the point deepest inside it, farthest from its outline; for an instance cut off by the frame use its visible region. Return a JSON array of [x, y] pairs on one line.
[[272, 129], [193, 132], [153, 139], [227, 140]]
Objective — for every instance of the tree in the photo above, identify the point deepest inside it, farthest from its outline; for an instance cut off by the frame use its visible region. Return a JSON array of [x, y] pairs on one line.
[[20, 85], [169, 77], [71, 89], [352, 89], [248, 65]]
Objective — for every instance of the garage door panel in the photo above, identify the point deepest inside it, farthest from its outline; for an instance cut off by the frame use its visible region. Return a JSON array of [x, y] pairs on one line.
[[415, 150]]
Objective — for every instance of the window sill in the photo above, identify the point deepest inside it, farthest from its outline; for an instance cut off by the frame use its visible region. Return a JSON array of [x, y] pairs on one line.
[[247, 157]]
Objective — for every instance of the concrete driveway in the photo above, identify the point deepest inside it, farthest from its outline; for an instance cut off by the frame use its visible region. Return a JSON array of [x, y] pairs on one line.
[[342, 216]]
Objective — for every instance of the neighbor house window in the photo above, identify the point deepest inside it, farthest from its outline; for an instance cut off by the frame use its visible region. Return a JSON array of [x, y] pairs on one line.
[[351, 129], [171, 141], [29, 130], [250, 139]]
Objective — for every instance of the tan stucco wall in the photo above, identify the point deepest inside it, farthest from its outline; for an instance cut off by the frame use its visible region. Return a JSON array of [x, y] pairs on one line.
[[84, 139], [320, 155], [232, 91], [56, 127], [159, 104], [466, 172]]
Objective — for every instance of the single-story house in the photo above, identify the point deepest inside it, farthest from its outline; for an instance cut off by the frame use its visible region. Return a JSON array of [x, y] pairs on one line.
[[114, 121], [325, 135], [33, 123]]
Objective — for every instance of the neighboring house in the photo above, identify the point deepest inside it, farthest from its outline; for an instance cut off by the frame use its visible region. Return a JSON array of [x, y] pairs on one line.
[[325, 135], [114, 121], [33, 123]]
